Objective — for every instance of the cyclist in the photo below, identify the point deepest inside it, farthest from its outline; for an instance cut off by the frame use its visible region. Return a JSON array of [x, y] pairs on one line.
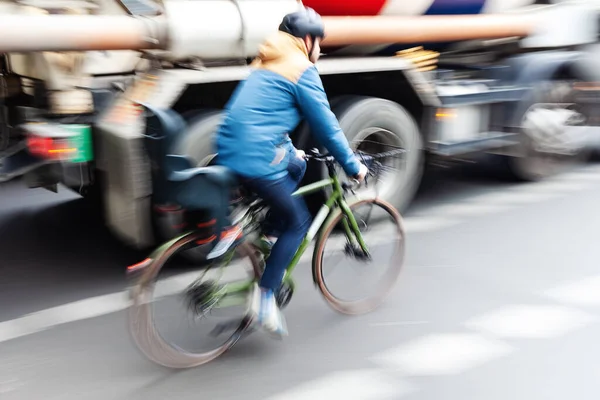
[[253, 141]]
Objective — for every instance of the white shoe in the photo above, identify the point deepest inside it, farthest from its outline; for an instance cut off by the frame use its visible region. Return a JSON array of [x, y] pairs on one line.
[[264, 309]]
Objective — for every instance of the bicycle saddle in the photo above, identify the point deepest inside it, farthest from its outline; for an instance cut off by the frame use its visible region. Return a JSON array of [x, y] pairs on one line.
[[175, 178]]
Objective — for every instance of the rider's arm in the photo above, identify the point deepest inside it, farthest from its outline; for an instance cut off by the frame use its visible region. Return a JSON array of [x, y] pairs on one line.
[[314, 105]]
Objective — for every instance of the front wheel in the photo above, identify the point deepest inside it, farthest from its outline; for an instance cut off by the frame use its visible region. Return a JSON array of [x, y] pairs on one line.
[[384, 238]]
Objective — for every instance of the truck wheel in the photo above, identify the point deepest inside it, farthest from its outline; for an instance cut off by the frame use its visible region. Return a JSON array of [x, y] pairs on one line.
[[544, 149], [375, 125], [303, 139], [197, 141]]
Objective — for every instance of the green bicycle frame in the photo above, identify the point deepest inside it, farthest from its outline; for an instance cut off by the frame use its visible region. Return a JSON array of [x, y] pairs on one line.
[[335, 198]]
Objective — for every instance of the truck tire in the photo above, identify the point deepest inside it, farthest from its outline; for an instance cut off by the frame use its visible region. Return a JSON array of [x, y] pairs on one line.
[[527, 163], [380, 122], [302, 137], [197, 141]]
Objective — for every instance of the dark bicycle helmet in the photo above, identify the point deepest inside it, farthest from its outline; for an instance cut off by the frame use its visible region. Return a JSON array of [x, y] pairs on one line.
[[302, 23]]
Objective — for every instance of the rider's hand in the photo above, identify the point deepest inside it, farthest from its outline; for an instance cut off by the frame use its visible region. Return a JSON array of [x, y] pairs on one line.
[[300, 154], [362, 172]]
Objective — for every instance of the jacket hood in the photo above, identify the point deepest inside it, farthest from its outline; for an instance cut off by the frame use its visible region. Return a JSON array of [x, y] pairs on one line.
[[279, 46]]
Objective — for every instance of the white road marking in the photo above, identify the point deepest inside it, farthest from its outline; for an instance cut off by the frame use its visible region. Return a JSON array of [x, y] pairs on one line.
[[584, 292], [95, 306], [530, 321], [348, 385], [98, 306], [443, 354], [9, 385], [71, 312]]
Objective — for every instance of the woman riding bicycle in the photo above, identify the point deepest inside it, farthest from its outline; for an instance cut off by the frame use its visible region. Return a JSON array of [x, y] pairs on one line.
[[253, 141]]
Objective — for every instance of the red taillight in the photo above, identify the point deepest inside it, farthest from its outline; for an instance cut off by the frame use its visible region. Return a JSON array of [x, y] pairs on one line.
[[55, 149]]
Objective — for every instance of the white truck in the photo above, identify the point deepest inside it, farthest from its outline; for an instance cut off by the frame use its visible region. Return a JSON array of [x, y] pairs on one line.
[[511, 80]]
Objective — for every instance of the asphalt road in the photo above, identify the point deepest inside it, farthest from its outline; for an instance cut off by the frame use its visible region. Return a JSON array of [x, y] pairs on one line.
[[499, 299]]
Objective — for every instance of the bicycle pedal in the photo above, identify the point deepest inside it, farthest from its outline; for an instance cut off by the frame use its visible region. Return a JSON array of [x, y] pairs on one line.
[[225, 326], [231, 325]]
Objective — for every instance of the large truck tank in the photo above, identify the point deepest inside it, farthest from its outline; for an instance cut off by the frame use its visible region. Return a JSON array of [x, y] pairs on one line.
[[64, 44], [233, 28], [387, 8], [414, 7]]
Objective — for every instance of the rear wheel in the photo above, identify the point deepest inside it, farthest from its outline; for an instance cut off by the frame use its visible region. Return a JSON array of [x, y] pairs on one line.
[[204, 296], [386, 236]]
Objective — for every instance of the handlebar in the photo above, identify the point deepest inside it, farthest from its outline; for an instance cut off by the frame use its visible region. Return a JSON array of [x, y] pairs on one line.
[[317, 156], [369, 160]]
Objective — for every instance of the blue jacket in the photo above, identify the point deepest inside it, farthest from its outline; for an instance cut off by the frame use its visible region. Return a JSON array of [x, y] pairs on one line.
[[283, 87]]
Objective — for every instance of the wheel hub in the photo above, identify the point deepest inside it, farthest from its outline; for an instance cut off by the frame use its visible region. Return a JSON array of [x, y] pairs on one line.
[[352, 250], [551, 128]]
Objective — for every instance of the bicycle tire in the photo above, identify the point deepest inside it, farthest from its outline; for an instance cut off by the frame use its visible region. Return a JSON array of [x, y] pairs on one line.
[[141, 321], [365, 305]]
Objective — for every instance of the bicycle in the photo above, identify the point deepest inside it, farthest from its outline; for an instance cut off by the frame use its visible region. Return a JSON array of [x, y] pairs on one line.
[[245, 215]]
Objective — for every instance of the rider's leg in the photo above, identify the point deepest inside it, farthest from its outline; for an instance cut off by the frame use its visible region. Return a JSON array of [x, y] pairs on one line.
[[295, 223], [272, 226]]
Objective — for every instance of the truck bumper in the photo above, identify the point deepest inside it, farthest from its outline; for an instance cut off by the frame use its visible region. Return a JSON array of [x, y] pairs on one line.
[[18, 164]]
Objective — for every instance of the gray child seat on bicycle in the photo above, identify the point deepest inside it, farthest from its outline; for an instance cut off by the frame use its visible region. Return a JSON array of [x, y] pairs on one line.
[[175, 178]]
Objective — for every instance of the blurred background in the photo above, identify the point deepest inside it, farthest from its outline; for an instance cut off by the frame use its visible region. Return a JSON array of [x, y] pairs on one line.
[[496, 102]]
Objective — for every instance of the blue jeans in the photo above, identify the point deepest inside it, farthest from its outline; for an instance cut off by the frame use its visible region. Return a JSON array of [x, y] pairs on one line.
[[288, 219]]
